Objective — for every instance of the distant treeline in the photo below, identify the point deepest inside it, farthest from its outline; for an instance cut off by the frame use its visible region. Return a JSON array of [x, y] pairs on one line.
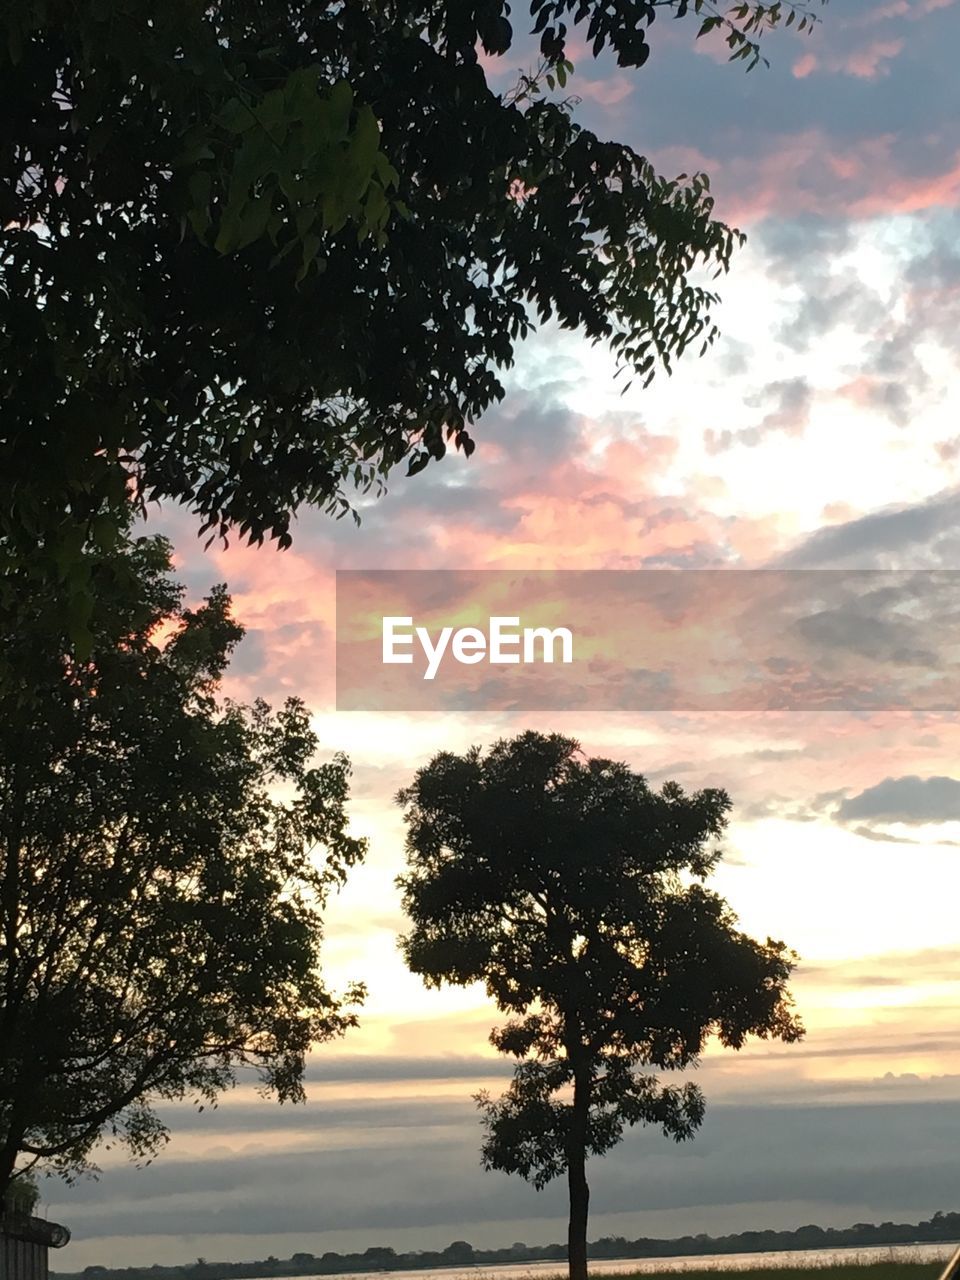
[[942, 1227]]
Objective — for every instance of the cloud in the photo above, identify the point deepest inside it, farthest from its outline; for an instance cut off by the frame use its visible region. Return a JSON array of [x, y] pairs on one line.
[[921, 532], [866, 63], [886, 837], [354, 1067], [895, 322], [432, 1181], [910, 799], [873, 59], [892, 968], [830, 299], [786, 403]]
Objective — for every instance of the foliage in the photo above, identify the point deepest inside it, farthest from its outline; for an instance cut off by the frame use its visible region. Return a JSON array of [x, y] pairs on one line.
[[160, 902], [574, 892], [254, 255], [21, 1196]]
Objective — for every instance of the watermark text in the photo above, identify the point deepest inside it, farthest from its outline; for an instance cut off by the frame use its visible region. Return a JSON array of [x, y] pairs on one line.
[[504, 643]]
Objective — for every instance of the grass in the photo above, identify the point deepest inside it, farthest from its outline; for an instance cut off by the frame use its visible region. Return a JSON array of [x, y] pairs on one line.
[[858, 1268], [853, 1270]]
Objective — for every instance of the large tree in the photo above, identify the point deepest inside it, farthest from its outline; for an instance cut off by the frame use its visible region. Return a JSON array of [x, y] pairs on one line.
[[575, 893], [164, 861], [255, 253]]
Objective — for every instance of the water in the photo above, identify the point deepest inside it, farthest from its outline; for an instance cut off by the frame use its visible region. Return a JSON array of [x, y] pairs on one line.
[[700, 1262]]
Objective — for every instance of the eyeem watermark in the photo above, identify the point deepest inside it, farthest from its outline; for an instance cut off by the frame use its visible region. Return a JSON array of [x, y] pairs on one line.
[[503, 643], [697, 640]]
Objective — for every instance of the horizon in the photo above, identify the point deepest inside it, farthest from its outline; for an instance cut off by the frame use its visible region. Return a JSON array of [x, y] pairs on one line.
[[521, 1250]]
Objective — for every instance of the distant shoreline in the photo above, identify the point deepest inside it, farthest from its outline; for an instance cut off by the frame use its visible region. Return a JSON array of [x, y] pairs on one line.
[[941, 1229]]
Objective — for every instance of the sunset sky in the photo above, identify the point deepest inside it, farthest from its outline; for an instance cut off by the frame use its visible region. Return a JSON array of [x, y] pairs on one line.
[[822, 431]]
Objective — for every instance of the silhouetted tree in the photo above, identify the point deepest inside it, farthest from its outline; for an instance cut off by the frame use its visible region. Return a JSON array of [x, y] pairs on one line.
[[257, 254], [458, 1254], [574, 891], [160, 904], [380, 1256]]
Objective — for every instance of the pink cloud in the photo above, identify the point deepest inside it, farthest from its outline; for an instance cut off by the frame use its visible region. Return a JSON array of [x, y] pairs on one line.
[[865, 64], [805, 66], [838, 512], [810, 172], [911, 195], [583, 508], [868, 63], [285, 600], [899, 9], [497, 65], [860, 391], [606, 93]]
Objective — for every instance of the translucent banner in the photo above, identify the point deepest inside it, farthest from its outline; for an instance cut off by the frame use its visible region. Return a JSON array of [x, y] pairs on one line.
[[648, 640]]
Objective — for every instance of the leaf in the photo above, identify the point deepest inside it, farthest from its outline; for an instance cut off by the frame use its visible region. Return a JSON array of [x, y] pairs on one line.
[[311, 247], [105, 532], [79, 611], [365, 142], [339, 103], [236, 117], [200, 187]]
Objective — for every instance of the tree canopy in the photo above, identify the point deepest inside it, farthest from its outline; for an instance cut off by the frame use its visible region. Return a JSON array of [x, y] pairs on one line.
[[255, 254], [575, 892], [164, 862]]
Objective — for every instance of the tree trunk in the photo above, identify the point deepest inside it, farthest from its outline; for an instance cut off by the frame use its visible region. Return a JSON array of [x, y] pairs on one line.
[[577, 1178], [8, 1160]]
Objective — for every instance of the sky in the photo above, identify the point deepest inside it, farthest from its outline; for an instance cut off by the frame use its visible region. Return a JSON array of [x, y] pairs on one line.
[[821, 431]]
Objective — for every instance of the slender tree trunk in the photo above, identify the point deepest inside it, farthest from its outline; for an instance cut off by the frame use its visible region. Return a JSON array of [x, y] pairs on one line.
[[8, 1159], [577, 1178]]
